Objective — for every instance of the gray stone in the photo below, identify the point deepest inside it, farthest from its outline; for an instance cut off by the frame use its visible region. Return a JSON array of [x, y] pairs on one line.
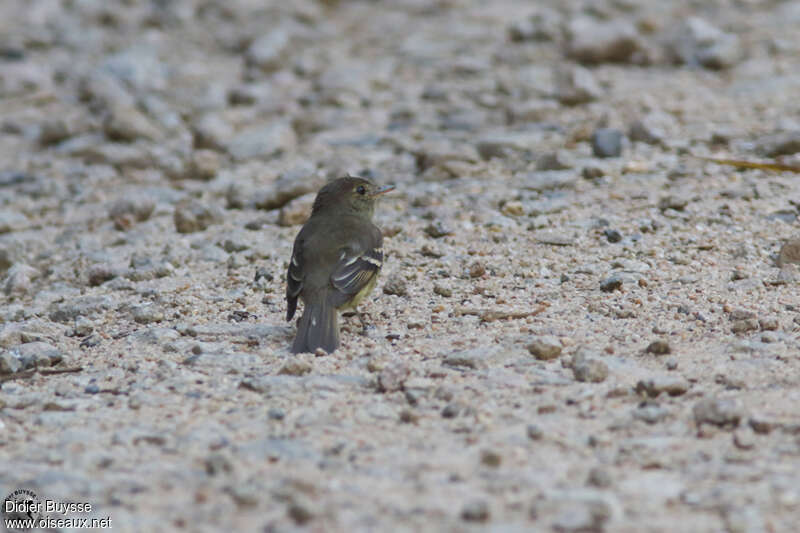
[[212, 131], [543, 25], [576, 85], [263, 141], [295, 367], [582, 517], [12, 221], [676, 203], [290, 185], [724, 412], [590, 370], [100, 273], [548, 180], [118, 155], [612, 283], [612, 235], [7, 257], [591, 41], [395, 284], [19, 280], [204, 165], [653, 128], [452, 410], [301, 511], [393, 376], [778, 144], [748, 518], [745, 325], [695, 42], [659, 347], [127, 124], [9, 363], [217, 464], [534, 432], [476, 511], [267, 51], [599, 477], [124, 212], [88, 306], [607, 142], [554, 161], [442, 290], [146, 314], [545, 348], [53, 131], [789, 253], [650, 412], [554, 238], [473, 358], [672, 385], [139, 67], [438, 229], [192, 215], [38, 354], [296, 211]]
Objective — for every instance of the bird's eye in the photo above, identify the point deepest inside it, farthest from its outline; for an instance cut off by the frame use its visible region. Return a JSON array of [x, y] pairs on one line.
[[361, 190]]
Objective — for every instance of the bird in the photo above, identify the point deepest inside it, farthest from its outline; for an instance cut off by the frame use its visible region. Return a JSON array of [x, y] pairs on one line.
[[336, 259]]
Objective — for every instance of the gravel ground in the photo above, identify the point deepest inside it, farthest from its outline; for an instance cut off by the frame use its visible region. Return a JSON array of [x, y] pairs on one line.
[[581, 325]]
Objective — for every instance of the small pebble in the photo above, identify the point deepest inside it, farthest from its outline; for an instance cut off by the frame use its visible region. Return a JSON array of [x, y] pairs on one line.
[[477, 269], [451, 410], [396, 285], [545, 348], [295, 367], [599, 477], [659, 347], [789, 253], [477, 511], [744, 438], [650, 412], [607, 142], [299, 512], [276, 413], [442, 290], [592, 173], [612, 235], [768, 324], [216, 464], [191, 216], [611, 283], [673, 202], [743, 326], [534, 432], [491, 458], [723, 412], [392, 377], [590, 370], [437, 229], [674, 386]]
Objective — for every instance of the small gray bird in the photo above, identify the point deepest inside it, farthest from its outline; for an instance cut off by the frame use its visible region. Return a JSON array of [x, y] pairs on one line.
[[335, 260]]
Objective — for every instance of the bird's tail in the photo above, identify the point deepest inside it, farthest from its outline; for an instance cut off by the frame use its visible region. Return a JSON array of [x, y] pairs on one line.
[[318, 327]]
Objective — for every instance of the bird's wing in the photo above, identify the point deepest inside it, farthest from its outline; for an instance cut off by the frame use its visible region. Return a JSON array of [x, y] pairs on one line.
[[294, 277], [358, 264]]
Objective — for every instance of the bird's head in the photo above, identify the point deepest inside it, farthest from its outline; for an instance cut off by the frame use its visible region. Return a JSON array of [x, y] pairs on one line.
[[349, 194]]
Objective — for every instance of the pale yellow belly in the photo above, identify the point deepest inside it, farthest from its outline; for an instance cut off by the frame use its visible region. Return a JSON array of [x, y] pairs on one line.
[[363, 293]]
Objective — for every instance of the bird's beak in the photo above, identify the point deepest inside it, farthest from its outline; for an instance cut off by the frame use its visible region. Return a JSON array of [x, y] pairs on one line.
[[383, 190]]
